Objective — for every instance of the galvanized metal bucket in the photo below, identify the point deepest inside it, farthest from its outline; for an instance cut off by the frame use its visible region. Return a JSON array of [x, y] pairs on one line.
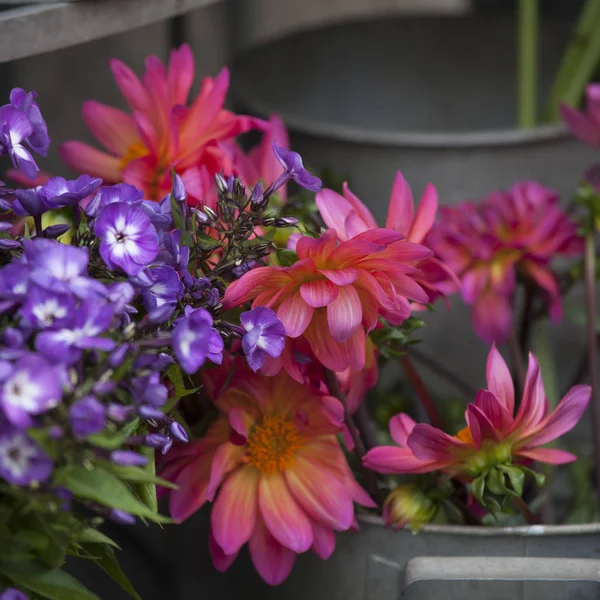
[[439, 563], [434, 97]]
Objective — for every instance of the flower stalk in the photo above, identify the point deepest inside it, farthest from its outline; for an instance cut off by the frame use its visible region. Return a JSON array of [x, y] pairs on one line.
[[528, 19]]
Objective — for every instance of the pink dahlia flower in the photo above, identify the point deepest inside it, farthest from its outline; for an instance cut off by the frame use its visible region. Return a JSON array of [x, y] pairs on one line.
[[493, 436], [275, 472], [335, 293], [487, 244], [585, 125], [349, 217], [162, 131]]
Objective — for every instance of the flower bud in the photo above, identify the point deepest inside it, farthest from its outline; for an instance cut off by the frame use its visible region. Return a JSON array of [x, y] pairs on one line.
[[409, 505], [178, 432], [179, 192], [128, 458]]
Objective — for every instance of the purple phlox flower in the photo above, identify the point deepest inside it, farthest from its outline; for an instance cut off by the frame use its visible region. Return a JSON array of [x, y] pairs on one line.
[[213, 297], [179, 192], [14, 282], [243, 268], [159, 441], [12, 594], [178, 432], [46, 309], [57, 192], [159, 213], [225, 185], [38, 140], [118, 356], [257, 195], [56, 432], [161, 314], [148, 389], [128, 458], [120, 295], [129, 240], [87, 416], [166, 288], [83, 332], [120, 193], [32, 388], [121, 517], [155, 362], [13, 343], [61, 268], [266, 336], [64, 495], [119, 412], [55, 231], [8, 244], [294, 169], [195, 339], [15, 128], [6, 370]]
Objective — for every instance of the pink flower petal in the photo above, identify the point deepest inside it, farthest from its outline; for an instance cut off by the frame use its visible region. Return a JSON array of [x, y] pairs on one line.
[[390, 459], [344, 314], [425, 215], [113, 128], [431, 444], [480, 426], [85, 159], [401, 208], [273, 561], [240, 420], [534, 405], [252, 283], [181, 74], [284, 519], [318, 293], [323, 541], [492, 317], [295, 315], [564, 417], [494, 410], [400, 427], [226, 459], [334, 209], [192, 482], [317, 249], [499, 380], [238, 496], [341, 276], [361, 210], [131, 87], [581, 126], [221, 561], [552, 456]]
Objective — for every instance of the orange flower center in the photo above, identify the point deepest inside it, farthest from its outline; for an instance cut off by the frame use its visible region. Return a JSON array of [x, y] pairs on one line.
[[464, 435], [136, 150], [272, 444]]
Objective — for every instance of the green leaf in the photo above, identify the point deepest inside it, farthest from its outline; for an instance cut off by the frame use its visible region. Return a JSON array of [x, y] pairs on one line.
[[89, 535], [106, 488], [207, 243], [136, 474], [105, 558], [146, 490], [113, 441], [175, 374], [516, 477], [543, 352], [286, 258], [478, 487], [53, 584]]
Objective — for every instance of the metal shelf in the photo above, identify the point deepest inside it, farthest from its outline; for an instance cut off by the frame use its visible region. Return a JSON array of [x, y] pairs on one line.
[[47, 26]]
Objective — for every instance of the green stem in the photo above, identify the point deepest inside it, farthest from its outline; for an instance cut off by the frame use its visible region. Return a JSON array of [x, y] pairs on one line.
[[590, 305], [527, 62], [584, 29]]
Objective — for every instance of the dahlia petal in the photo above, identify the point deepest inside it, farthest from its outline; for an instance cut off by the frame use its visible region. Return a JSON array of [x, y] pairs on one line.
[[425, 215], [492, 317], [534, 405], [552, 456], [390, 459], [409, 288], [226, 459], [400, 427], [318, 249], [113, 128], [192, 482], [401, 207], [323, 540], [221, 561], [499, 380], [85, 159], [564, 417], [131, 87], [181, 74], [353, 225], [295, 314], [344, 314], [431, 444], [363, 212], [494, 410], [245, 288], [334, 209], [581, 126], [238, 496], [341, 277], [321, 494], [273, 561], [241, 421], [284, 519], [318, 293], [481, 427], [547, 281]]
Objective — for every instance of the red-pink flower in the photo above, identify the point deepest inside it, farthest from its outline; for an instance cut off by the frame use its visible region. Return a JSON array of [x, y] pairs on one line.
[[335, 293], [494, 435], [275, 471], [585, 125], [509, 234], [349, 217], [162, 131]]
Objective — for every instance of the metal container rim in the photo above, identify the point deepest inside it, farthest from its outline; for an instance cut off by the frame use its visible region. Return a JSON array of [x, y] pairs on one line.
[[523, 531]]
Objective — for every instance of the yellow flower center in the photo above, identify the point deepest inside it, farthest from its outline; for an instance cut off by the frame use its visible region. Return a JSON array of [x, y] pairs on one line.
[[272, 444], [464, 435], [136, 150]]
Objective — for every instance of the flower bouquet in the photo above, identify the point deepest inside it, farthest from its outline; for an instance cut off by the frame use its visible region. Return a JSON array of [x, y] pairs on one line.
[[177, 322]]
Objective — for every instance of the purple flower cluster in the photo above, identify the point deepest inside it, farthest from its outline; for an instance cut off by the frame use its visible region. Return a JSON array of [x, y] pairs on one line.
[[22, 126]]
